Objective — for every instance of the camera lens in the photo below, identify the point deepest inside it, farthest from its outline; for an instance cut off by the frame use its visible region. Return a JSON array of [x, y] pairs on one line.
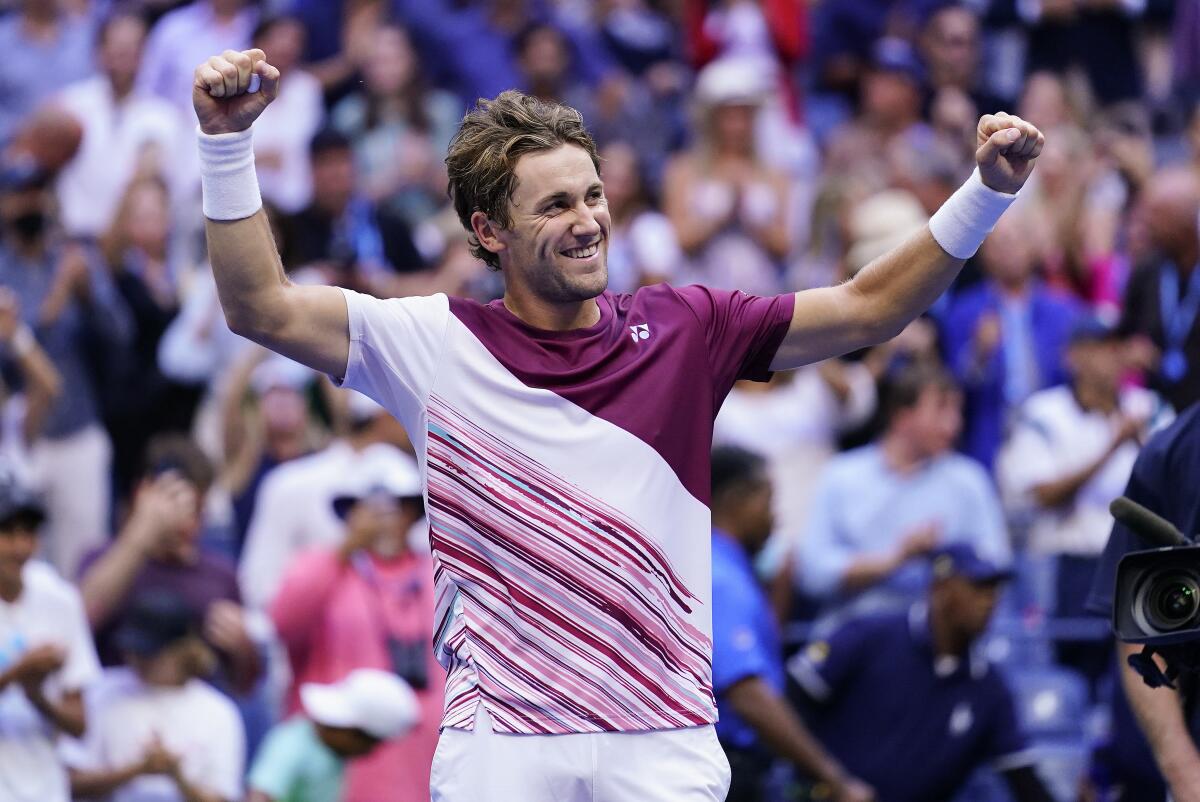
[[1169, 601]]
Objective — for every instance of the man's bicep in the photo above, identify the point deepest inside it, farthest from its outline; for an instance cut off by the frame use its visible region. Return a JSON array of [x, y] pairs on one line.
[[826, 322], [316, 329]]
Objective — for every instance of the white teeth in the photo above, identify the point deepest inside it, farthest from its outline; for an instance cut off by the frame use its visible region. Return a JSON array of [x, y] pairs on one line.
[[583, 253]]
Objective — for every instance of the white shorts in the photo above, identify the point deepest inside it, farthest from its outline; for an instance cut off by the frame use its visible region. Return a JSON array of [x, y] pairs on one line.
[[685, 765]]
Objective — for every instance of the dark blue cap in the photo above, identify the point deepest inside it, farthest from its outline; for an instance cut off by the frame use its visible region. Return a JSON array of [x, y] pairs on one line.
[[155, 619], [1089, 328], [961, 559]]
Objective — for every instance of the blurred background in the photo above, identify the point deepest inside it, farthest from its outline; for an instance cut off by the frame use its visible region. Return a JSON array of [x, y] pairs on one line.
[[183, 481]]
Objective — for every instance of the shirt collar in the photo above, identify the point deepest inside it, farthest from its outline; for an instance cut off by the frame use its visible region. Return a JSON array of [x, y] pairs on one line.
[[944, 666]]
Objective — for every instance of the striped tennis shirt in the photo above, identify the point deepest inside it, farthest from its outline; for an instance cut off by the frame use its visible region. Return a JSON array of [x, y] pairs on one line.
[[566, 486]]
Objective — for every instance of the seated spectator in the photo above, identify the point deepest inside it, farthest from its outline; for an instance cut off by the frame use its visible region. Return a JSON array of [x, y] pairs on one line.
[[359, 243], [756, 720], [400, 127], [369, 603], [126, 132], [303, 759], [1070, 453], [156, 729], [293, 511], [936, 711], [46, 656], [282, 133], [159, 548], [729, 210], [68, 300], [1006, 337], [879, 508]]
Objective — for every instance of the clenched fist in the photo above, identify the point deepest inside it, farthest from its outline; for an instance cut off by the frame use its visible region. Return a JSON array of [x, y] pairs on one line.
[[221, 90], [1006, 149]]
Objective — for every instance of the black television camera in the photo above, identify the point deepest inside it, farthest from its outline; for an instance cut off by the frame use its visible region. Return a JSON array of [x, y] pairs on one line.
[[1157, 598]]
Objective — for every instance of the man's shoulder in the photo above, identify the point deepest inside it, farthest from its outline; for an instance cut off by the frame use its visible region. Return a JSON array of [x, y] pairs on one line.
[[46, 586], [958, 466], [1051, 405], [850, 465]]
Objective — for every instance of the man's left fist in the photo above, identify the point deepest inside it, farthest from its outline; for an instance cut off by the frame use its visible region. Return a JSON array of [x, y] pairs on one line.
[[1006, 149]]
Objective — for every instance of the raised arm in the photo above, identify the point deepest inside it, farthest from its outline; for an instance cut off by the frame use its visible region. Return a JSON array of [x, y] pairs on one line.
[[306, 323], [895, 288]]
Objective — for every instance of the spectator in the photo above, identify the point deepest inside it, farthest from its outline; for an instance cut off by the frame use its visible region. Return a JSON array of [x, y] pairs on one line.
[[304, 758], [748, 678], [729, 210], [950, 50], [159, 549], [39, 382], [361, 243], [126, 132], [937, 711], [643, 248], [187, 36], [876, 509], [1162, 298], [138, 253], [293, 512], [157, 730], [369, 604], [1069, 454], [281, 144], [400, 127], [46, 656], [49, 49], [1006, 337], [69, 302]]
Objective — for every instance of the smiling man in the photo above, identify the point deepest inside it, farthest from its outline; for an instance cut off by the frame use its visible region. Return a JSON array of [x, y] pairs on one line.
[[563, 434]]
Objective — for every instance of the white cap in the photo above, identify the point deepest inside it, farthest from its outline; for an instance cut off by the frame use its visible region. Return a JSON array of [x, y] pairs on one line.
[[280, 372], [381, 468], [377, 702], [733, 81], [880, 223]]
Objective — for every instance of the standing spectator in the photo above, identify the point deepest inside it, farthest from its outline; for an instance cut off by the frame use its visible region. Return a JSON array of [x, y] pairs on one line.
[[950, 45], [68, 300], [1163, 297], [281, 145], [187, 36], [303, 759], [748, 677], [937, 711], [1069, 454], [156, 729], [369, 603], [159, 549], [23, 413], [125, 131], [729, 210], [400, 127], [49, 49], [46, 656], [1006, 337], [879, 508]]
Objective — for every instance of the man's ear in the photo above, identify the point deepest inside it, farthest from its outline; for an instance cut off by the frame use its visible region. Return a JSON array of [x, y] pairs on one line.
[[487, 232]]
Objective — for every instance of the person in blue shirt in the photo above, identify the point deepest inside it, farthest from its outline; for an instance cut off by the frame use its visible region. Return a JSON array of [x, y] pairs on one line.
[[1164, 479], [902, 702], [755, 720]]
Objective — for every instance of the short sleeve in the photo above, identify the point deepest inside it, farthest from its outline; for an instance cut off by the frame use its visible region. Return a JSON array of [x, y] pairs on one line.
[[229, 749], [742, 331], [1025, 461], [82, 666], [825, 666], [276, 766], [738, 651], [395, 347]]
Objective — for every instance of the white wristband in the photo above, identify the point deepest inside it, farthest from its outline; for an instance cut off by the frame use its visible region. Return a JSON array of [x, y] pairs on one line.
[[227, 175], [968, 216]]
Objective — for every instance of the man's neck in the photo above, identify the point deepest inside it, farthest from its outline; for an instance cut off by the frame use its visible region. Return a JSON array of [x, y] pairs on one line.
[[121, 87], [11, 591], [899, 454], [1014, 290], [1094, 399], [945, 641], [550, 316]]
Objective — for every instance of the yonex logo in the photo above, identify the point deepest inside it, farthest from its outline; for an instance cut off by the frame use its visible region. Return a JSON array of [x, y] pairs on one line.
[[641, 331]]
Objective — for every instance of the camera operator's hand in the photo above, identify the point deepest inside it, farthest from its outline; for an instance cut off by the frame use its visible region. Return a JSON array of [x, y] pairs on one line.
[[1185, 784], [853, 790]]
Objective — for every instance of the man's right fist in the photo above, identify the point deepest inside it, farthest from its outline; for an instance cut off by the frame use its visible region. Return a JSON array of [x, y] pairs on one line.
[[220, 90]]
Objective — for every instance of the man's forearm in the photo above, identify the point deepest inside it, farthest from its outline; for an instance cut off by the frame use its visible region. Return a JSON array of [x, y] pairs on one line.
[[782, 730], [866, 571], [101, 783], [1159, 713], [66, 715], [1057, 492], [249, 274], [106, 583]]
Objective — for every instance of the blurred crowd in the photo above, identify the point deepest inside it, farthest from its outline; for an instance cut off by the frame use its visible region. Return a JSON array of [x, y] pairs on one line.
[[215, 559]]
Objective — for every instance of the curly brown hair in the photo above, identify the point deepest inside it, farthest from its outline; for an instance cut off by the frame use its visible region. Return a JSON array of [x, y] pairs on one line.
[[483, 155]]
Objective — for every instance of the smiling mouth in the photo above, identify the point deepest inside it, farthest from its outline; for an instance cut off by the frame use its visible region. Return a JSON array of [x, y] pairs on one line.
[[583, 253]]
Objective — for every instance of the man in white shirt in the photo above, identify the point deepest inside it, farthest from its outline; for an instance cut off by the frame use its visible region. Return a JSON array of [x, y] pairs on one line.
[[46, 657], [124, 130]]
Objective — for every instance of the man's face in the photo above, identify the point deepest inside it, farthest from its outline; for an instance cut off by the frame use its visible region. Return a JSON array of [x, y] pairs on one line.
[[346, 742], [333, 179], [968, 604], [545, 59], [758, 518], [120, 52], [556, 246], [952, 41], [18, 542], [935, 421], [1096, 363]]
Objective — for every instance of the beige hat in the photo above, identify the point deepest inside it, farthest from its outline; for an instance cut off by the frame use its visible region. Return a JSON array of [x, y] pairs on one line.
[[732, 81], [880, 223]]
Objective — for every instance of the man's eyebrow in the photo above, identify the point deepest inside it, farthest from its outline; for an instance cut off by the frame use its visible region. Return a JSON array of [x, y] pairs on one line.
[[554, 196]]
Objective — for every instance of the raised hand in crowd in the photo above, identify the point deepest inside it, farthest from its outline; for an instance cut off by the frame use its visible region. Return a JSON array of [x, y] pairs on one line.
[[71, 283], [225, 627]]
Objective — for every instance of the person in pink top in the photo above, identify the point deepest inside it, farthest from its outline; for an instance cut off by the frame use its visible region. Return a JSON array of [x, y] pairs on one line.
[[369, 604]]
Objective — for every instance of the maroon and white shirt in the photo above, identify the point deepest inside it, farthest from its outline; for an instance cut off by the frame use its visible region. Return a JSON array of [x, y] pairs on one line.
[[566, 486]]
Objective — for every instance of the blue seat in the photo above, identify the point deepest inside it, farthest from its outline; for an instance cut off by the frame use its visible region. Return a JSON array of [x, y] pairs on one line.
[[1052, 702]]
